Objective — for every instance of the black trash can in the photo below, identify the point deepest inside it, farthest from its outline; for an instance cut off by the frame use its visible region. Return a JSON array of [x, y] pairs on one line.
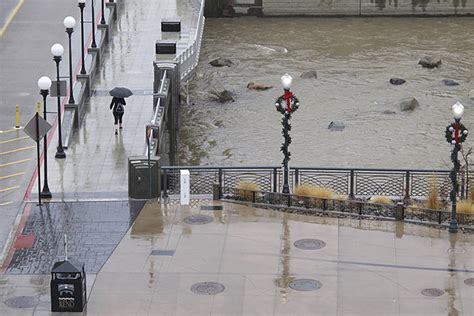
[[68, 287]]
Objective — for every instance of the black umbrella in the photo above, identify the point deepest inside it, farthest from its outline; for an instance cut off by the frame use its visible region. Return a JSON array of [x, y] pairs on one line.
[[120, 92]]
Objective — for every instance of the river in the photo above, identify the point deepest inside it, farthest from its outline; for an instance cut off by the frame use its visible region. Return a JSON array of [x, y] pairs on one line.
[[354, 59]]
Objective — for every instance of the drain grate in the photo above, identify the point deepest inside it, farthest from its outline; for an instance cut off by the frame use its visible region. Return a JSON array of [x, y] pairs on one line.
[[162, 252], [22, 302], [211, 208], [469, 281], [432, 292], [309, 244], [207, 288], [198, 219], [305, 285]]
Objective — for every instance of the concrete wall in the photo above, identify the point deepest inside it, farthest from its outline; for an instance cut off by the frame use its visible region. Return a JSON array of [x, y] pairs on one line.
[[368, 7]]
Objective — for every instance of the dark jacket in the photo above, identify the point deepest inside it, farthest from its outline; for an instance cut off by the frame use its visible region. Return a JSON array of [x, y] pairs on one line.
[[115, 102]]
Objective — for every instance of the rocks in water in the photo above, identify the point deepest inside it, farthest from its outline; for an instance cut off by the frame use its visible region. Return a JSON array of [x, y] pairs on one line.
[[335, 126], [471, 94], [258, 86], [449, 82], [221, 62], [222, 96], [408, 104], [311, 74], [397, 81], [430, 62], [389, 112]]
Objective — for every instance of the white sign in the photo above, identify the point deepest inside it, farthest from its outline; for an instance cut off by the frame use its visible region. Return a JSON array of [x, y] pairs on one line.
[[185, 187]]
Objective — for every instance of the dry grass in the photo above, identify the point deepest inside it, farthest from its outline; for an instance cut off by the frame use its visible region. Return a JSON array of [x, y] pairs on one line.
[[247, 187], [465, 206], [433, 201], [340, 197], [381, 200], [314, 191], [471, 195]]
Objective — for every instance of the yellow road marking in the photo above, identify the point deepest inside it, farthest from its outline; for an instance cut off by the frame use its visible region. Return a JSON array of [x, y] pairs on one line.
[[9, 189], [14, 139], [6, 203], [12, 175], [10, 18], [16, 150], [14, 162], [10, 130]]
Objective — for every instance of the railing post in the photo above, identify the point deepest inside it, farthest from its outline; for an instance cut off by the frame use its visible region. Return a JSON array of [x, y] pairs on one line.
[[439, 217], [406, 199], [165, 182], [297, 177], [254, 193], [351, 185], [220, 182], [275, 174], [289, 200]]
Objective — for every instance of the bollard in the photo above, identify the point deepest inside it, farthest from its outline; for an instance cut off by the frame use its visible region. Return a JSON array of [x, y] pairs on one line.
[[17, 117], [38, 107]]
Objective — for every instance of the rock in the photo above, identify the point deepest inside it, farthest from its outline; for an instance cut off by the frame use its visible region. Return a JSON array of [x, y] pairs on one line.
[[221, 62], [408, 104], [430, 62], [471, 94], [389, 112], [311, 74], [449, 82], [336, 126], [258, 86], [223, 96], [397, 81]]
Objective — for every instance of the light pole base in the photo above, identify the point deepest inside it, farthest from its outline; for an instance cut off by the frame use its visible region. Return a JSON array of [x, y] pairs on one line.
[[60, 154], [45, 194], [453, 226], [286, 189]]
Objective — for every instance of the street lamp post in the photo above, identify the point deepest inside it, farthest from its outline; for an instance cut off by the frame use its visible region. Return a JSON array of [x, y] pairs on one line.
[[69, 23], [286, 105], [102, 18], [81, 4], [57, 50], [456, 133], [44, 83], [93, 44]]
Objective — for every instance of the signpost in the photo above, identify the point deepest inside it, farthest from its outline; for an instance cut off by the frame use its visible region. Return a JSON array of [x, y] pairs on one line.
[[37, 128]]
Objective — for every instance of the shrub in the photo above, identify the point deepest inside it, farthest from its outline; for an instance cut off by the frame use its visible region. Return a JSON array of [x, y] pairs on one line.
[[433, 201], [313, 191], [381, 200], [465, 206], [245, 188]]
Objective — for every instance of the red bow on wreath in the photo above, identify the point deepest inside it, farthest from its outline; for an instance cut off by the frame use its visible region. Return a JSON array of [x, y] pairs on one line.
[[288, 94]]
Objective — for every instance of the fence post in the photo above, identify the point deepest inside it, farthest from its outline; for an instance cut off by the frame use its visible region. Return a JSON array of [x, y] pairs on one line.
[[220, 183], [165, 183], [439, 217], [254, 193], [289, 200], [399, 211], [406, 199], [275, 179], [297, 177], [351, 185]]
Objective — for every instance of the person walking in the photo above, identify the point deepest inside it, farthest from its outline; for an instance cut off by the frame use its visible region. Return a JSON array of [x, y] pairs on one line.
[[118, 109]]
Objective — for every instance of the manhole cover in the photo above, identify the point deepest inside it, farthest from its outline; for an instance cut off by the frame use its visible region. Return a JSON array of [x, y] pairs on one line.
[[207, 288], [309, 244], [198, 219], [432, 292], [22, 302], [469, 281], [305, 285]]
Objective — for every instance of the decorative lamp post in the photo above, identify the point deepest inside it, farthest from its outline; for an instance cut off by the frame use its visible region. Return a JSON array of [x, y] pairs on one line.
[[81, 4], [69, 23], [44, 83], [57, 50], [102, 18], [286, 104], [93, 44], [456, 133]]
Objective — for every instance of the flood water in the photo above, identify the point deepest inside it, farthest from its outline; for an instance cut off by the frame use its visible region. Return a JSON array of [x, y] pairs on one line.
[[354, 59]]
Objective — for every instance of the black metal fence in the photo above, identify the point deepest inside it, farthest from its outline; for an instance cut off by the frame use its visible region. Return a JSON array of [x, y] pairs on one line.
[[353, 182]]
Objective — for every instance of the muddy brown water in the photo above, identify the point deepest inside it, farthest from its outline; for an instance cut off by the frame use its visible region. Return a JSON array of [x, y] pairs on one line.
[[354, 59]]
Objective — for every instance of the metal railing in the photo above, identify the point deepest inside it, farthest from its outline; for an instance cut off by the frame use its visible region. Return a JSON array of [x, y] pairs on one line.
[[189, 58], [353, 182]]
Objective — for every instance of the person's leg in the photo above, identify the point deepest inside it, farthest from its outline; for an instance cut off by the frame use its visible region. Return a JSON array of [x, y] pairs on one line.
[[116, 119], [120, 120]]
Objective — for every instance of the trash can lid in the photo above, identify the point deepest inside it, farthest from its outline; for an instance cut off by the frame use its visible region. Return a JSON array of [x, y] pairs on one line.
[[67, 266]]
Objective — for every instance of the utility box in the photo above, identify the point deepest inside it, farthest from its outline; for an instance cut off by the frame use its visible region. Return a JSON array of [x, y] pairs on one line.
[[143, 178], [68, 287], [171, 25], [165, 47], [185, 187]]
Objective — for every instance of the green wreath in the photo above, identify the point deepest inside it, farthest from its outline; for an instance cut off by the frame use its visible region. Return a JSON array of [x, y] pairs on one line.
[[281, 104], [462, 133]]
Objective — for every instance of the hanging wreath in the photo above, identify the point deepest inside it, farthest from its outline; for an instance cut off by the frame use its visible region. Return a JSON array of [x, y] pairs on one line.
[[450, 130], [282, 105]]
